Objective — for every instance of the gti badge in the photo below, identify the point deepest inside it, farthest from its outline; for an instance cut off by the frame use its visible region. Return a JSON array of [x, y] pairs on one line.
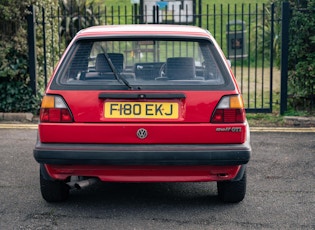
[[142, 133]]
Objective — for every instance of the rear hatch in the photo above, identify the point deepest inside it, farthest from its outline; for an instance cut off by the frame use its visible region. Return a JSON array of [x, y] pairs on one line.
[[147, 88]]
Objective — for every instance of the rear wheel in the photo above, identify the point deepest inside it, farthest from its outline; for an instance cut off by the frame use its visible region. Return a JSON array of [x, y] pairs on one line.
[[53, 191], [232, 191]]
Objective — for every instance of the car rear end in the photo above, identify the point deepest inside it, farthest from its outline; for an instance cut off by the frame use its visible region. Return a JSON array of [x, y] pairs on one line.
[[143, 104]]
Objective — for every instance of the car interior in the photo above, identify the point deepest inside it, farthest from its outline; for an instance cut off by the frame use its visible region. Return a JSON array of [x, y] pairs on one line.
[[188, 66]]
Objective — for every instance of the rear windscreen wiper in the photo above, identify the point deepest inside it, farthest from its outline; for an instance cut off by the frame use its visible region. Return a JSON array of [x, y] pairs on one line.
[[117, 75]]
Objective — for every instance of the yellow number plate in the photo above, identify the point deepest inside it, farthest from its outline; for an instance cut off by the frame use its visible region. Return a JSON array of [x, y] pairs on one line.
[[165, 110]]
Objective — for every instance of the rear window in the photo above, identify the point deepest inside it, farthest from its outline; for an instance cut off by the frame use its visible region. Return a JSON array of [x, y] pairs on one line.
[[142, 64]]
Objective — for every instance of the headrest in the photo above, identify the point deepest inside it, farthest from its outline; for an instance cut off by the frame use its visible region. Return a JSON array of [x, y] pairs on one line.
[[101, 64], [118, 60], [180, 68]]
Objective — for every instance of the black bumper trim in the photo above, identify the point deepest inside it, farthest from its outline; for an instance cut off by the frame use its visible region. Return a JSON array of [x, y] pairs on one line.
[[127, 154]]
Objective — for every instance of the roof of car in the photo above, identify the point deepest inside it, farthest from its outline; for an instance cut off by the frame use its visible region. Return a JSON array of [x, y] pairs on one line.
[[144, 29]]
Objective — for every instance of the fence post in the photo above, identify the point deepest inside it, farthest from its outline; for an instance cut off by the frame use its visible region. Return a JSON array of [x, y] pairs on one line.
[[200, 12], [272, 34], [31, 40], [44, 45], [285, 16]]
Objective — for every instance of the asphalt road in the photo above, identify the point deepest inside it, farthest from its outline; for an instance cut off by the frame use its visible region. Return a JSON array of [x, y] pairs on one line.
[[280, 193]]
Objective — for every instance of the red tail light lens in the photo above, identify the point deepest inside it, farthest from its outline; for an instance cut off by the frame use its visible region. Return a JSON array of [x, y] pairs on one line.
[[229, 110], [54, 109]]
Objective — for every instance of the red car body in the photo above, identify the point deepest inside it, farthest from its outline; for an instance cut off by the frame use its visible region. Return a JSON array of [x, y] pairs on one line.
[[127, 128]]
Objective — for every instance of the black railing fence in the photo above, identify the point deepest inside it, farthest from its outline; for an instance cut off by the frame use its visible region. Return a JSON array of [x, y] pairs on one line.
[[247, 34]]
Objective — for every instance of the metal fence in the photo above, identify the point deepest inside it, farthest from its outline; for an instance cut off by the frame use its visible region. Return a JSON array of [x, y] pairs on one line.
[[246, 34]]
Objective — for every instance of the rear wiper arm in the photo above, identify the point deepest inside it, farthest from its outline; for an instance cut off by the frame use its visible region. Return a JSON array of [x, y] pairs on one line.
[[117, 75]]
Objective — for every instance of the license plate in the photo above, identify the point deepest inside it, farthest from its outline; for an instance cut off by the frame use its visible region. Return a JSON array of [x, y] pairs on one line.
[[163, 110]]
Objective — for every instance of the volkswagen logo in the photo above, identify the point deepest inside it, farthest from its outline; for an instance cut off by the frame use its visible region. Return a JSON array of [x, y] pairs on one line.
[[142, 133]]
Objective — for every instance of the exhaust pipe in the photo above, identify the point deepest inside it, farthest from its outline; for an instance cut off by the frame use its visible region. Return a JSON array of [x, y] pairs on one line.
[[71, 184], [82, 184], [85, 183]]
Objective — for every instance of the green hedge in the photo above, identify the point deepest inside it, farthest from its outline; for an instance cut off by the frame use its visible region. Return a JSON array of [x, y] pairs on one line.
[[301, 83], [16, 95]]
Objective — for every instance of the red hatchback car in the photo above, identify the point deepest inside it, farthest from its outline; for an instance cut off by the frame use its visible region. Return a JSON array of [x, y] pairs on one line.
[[142, 103]]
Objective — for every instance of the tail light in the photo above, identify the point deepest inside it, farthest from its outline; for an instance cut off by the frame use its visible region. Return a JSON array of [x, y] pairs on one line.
[[54, 109], [230, 109]]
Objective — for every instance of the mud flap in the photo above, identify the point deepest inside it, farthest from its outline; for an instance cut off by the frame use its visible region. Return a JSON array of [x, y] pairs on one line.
[[44, 172], [240, 173]]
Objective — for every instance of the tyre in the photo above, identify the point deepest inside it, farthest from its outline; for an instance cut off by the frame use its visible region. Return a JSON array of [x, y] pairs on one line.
[[232, 191], [53, 191]]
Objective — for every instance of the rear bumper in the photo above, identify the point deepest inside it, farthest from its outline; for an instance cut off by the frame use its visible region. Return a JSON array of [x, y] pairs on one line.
[[114, 154]]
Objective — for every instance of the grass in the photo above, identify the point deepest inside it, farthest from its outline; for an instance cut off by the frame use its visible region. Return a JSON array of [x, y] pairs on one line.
[[265, 120], [293, 112], [255, 85], [214, 16], [128, 2]]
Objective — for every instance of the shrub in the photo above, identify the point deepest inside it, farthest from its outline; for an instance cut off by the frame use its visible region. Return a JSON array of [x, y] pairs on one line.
[[16, 95], [302, 55]]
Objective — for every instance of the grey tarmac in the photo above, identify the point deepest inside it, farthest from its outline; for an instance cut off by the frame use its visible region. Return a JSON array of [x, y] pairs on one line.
[[280, 192]]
